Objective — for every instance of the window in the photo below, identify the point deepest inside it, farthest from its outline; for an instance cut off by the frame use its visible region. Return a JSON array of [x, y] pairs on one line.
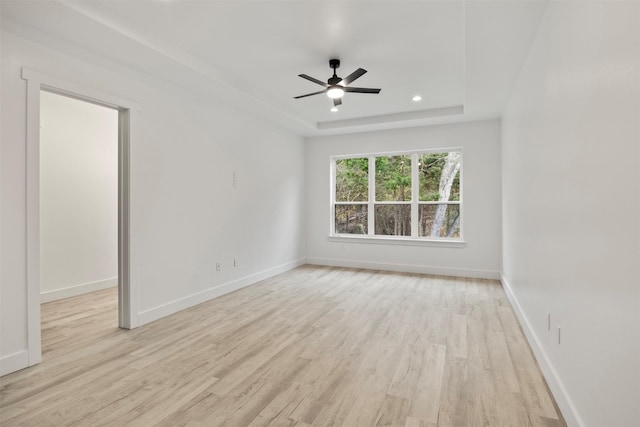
[[413, 195]]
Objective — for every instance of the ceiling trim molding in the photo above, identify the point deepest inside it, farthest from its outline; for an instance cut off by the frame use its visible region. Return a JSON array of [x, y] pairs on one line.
[[395, 117]]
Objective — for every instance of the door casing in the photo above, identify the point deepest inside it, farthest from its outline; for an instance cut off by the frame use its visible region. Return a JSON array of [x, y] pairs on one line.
[[127, 301]]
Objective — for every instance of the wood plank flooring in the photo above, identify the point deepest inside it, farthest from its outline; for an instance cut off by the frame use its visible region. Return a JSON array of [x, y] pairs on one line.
[[316, 346]]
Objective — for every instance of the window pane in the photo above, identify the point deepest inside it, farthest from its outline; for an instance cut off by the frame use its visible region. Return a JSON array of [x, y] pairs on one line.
[[352, 176], [439, 176], [351, 219], [393, 179], [393, 220], [440, 220]]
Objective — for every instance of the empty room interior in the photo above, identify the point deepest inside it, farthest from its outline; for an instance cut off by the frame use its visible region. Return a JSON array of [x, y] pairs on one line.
[[320, 213]]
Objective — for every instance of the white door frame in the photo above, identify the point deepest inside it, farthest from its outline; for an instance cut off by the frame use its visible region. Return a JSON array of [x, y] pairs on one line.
[[127, 301]]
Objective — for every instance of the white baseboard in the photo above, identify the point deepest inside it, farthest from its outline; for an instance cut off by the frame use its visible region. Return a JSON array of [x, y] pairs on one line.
[[169, 308], [14, 362], [406, 268], [72, 291], [558, 390]]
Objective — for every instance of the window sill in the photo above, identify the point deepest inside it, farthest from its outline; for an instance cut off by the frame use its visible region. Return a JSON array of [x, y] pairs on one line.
[[406, 241]]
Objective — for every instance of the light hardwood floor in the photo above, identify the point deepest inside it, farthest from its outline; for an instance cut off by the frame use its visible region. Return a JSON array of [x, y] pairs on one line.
[[315, 346]]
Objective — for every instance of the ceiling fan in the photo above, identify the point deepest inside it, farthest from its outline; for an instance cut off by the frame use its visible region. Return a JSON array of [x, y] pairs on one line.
[[336, 86]]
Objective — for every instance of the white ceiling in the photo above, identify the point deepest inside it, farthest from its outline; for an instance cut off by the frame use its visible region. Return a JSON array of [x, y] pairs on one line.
[[462, 56]]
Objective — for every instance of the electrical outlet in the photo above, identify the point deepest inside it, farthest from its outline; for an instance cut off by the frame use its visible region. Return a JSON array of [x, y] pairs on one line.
[[218, 266]]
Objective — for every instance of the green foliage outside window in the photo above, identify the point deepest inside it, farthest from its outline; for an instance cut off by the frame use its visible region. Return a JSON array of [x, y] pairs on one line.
[[438, 195], [430, 173], [352, 177], [393, 179]]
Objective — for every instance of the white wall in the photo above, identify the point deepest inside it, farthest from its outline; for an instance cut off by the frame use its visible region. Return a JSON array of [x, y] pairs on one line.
[[78, 196], [571, 201], [480, 257], [185, 213]]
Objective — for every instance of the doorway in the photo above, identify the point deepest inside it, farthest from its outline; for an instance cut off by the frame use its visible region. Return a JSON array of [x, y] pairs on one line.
[[78, 218], [41, 86], [78, 197]]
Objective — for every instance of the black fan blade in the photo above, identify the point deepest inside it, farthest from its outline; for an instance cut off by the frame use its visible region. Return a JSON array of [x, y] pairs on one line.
[[309, 94], [311, 79], [361, 90], [337, 101], [356, 74]]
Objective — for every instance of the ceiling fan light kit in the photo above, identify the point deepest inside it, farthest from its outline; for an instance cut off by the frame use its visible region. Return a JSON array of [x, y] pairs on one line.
[[336, 87], [335, 92]]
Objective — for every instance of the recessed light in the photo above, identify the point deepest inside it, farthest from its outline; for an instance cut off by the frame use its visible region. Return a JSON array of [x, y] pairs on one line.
[[334, 109], [416, 98]]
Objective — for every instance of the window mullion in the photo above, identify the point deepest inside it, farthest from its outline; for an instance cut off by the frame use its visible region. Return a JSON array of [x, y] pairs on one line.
[[415, 188], [372, 196], [332, 196]]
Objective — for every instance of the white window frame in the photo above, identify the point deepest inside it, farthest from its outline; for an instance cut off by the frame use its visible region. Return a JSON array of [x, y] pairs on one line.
[[415, 202]]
